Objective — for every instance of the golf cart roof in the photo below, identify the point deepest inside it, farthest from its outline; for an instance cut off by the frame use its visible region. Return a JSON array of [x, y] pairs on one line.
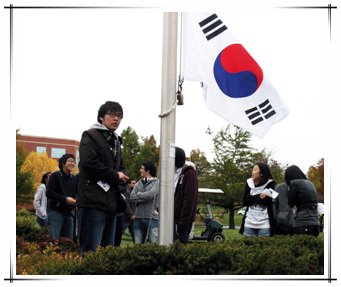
[[210, 190]]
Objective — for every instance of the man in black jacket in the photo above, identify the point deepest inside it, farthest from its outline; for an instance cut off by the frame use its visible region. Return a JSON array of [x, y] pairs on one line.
[[101, 173]]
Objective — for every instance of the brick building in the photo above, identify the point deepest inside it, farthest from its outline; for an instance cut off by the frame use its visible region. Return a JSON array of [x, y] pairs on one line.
[[54, 147]]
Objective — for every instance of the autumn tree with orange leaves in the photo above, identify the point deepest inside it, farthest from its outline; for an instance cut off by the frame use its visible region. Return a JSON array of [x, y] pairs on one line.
[[38, 164], [316, 176]]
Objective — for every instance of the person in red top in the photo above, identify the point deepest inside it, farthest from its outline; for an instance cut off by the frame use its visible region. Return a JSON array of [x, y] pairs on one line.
[[185, 197]]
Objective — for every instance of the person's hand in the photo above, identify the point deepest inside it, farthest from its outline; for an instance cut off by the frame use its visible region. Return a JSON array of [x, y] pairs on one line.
[[262, 196], [122, 178], [70, 201], [133, 217]]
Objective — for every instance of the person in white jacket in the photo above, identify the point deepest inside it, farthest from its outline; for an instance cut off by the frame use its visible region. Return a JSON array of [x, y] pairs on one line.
[[40, 201]]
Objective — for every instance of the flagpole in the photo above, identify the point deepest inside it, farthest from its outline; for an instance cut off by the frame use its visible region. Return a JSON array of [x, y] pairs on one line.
[[167, 141]]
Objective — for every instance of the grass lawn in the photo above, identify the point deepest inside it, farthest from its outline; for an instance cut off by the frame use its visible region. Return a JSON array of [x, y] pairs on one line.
[[228, 233]]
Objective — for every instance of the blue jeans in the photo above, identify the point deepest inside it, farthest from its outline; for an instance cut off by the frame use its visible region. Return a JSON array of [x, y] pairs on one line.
[[97, 228], [140, 230], [182, 235], [42, 222], [60, 225], [256, 232]]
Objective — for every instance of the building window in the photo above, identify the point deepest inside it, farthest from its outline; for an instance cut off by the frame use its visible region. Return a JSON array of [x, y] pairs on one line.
[[77, 157], [41, 149], [57, 152]]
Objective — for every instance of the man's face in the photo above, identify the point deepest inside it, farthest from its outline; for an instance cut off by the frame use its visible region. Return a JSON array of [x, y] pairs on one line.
[[143, 172], [69, 165], [112, 120], [132, 184]]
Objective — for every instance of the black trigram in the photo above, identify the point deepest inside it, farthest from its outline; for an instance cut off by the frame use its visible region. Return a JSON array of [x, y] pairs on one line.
[[261, 112], [211, 23]]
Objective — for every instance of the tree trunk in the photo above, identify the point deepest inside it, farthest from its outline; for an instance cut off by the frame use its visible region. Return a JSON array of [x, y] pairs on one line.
[[231, 218]]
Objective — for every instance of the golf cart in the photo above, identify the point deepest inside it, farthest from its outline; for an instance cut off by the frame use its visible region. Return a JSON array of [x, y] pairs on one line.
[[214, 229]]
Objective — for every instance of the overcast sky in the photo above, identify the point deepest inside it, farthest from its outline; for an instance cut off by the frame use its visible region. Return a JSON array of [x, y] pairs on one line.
[[66, 63], [69, 62]]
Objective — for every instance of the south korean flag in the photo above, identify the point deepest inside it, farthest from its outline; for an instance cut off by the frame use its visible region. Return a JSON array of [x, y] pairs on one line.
[[234, 85]]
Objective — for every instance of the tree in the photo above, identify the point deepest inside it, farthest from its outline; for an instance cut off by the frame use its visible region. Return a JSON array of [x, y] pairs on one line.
[[232, 165], [38, 164], [202, 165], [146, 154], [316, 176], [20, 150], [277, 169], [154, 148], [24, 180], [130, 151], [135, 152]]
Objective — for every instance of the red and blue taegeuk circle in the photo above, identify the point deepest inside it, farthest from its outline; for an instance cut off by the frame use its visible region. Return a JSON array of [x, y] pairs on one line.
[[237, 74]]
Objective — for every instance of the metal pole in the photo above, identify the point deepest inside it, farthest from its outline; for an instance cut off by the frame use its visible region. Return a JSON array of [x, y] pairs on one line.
[[167, 142], [11, 59]]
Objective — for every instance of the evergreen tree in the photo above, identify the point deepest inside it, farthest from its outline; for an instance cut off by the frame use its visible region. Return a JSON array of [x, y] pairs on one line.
[[24, 180], [202, 165], [232, 165], [135, 152], [130, 151]]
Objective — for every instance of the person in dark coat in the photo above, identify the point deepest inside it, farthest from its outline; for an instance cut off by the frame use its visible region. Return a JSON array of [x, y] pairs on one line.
[[185, 197], [303, 195], [101, 171], [128, 216], [61, 199], [283, 213]]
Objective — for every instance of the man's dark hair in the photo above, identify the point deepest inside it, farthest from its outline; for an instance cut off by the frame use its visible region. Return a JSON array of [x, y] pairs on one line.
[[130, 180], [150, 166], [64, 158], [44, 178], [180, 157], [108, 107]]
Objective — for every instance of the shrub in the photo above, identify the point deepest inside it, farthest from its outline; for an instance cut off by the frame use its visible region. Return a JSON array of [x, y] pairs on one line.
[[26, 206], [27, 227], [29, 230], [43, 258], [279, 255]]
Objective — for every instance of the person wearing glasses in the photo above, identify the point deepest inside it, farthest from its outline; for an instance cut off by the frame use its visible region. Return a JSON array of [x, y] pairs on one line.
[[61, 199], [145, 197], [102, 178]]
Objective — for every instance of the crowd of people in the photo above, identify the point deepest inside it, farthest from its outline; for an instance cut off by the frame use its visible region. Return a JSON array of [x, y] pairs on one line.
[[98, 205], [268, 215]]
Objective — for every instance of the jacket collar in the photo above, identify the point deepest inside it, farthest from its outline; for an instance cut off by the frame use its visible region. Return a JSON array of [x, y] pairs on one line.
[[63, 174]]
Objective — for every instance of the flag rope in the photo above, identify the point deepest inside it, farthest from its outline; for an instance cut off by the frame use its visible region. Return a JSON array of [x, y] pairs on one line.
[[166, 113]]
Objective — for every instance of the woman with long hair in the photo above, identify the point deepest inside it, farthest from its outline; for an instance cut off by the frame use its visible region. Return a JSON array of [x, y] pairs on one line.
[[259, 218], [303, 195], [40, 201]]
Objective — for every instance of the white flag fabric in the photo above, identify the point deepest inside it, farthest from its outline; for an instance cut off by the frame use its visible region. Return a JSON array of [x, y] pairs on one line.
[[233, 84]]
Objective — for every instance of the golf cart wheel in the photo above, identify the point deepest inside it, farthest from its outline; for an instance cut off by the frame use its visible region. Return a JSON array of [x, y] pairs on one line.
[[217, 237]]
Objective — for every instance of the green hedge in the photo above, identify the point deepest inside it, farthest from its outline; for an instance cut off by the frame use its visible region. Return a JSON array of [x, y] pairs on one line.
[[279, 255], [27, 227]]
